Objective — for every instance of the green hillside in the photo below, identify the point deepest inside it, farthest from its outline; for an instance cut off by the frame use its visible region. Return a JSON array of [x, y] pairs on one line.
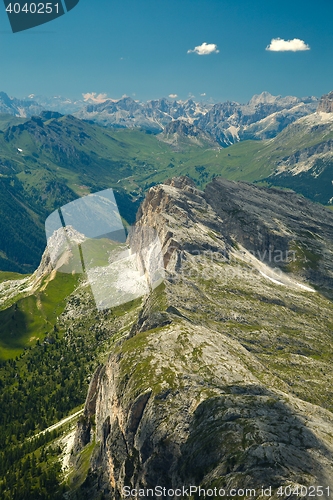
[[9, 120], [31, 319]]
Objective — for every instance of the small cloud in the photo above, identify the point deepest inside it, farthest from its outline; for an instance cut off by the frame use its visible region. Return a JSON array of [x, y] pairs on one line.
[[94, 97], [205, 49], [280, 45], [203, 95], [173, 96]]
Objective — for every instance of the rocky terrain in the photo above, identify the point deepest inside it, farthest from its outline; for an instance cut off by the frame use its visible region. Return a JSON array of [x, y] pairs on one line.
[[326, 103], [224, 378], [179, 133]]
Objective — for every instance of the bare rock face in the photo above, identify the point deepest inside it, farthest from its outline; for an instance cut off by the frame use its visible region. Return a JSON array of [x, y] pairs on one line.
[[272, 223], [221, 382], [326, 103], [182, 131]]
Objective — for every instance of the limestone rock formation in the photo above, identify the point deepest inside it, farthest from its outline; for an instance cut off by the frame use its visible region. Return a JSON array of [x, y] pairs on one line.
[[326, 103]]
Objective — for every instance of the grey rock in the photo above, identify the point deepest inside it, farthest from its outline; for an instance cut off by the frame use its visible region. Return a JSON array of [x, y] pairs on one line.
[[326, 103]]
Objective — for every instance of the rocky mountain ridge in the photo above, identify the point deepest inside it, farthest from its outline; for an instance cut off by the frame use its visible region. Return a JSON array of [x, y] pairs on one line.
[[151, 115], [18, 107], [263, 117], [178, 131], [224, 379]]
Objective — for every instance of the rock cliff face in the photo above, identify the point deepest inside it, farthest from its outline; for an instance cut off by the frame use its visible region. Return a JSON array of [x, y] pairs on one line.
[[326, 103], [225, 379]]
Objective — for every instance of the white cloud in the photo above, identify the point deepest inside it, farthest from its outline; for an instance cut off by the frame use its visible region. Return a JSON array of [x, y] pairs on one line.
[[204, 49], [94, 97], [281, 45], [173, 96], [202, 95]]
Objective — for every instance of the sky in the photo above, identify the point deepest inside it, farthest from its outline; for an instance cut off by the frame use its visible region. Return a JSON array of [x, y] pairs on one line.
[[210, 49]]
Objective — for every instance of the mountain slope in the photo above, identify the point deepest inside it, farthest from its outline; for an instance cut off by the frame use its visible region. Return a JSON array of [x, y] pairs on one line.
[[307, 167]]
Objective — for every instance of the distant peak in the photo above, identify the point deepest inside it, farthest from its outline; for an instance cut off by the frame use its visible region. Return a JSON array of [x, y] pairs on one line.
[[326, 103], [263, 98]]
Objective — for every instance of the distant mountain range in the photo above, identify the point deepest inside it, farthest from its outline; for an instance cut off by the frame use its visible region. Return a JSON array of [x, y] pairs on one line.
[[263, 117], [152, 115]]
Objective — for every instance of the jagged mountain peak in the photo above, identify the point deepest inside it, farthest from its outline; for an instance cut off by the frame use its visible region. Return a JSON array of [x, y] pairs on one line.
[[326, 103], [263, 98], [18, 107]]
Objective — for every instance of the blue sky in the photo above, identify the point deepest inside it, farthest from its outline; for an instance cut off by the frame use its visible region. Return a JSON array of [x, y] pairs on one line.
[[140, 48]]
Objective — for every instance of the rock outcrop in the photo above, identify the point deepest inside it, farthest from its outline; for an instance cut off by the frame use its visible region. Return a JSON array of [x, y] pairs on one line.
[[326, 103]]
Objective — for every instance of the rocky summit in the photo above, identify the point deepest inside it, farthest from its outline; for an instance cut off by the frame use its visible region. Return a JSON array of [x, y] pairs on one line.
[[223, 377], [326, 103]]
